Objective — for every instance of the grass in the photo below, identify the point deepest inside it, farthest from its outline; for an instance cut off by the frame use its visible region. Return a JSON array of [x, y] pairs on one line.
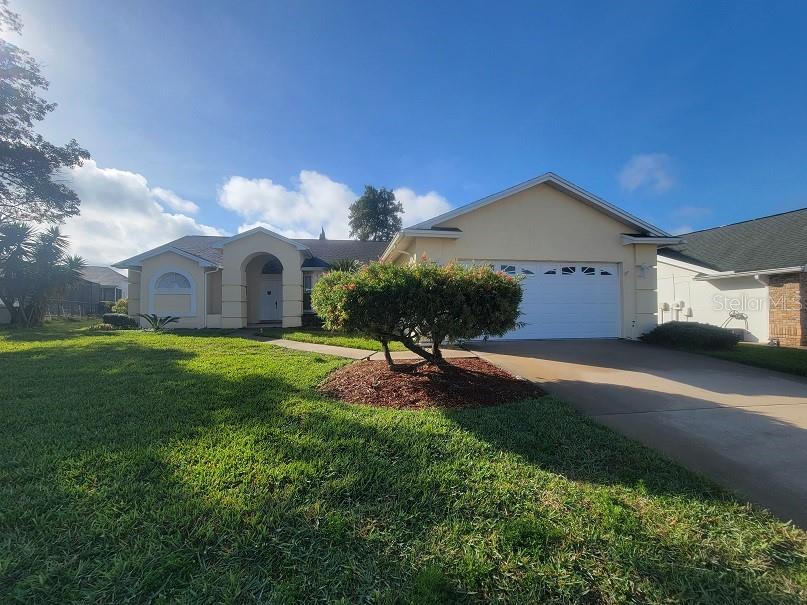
[[180, 468], [781, 359], [324, 337]]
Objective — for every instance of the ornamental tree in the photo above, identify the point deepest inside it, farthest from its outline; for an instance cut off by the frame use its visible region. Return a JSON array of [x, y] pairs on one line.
[[406, 303]]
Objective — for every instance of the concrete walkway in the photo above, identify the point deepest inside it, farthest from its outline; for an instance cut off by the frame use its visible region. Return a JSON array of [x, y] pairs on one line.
[[744, 427], [448, 353]]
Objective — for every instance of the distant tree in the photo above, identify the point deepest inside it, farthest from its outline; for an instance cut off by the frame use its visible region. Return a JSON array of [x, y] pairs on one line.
[[322, 233], [376, 215], [34, 267], [30, 189]]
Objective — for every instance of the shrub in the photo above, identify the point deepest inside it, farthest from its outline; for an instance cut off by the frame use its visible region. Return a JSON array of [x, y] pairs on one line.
[[403, 303], [156, 322], [105, 306], [691, 335], [119, 320], [121, 306]]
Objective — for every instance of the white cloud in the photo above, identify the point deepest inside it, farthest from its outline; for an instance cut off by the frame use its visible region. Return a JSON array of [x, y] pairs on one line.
[[681, 229], [174, 201], [121, 215], [418, 208], [652, 171], [315, 202], [691, 213]]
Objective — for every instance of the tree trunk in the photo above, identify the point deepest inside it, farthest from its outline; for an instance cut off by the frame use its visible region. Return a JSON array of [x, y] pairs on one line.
[[387, 356], [438, 354], [420, 351]]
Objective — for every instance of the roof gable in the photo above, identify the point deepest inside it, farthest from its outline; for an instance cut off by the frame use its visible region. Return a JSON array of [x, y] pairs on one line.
[[559, 183], [265, 231]]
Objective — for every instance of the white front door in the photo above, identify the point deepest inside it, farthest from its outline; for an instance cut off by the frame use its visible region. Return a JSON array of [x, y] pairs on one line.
[[566, 299], [271, 298]]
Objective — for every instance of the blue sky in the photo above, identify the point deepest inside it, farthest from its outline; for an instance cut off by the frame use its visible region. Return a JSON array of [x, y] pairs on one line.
[[686, 114]]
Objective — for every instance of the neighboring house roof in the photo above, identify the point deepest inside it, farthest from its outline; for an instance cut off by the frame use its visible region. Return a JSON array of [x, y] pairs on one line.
[[770, 242], [103, 276], [331, 250], [324, 252]]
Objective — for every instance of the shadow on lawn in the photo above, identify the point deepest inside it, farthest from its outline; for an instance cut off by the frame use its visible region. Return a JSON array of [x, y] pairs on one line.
[[252, 486]]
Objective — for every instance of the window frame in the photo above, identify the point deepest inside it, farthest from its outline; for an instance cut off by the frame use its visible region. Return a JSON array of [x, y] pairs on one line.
[[155, 291]]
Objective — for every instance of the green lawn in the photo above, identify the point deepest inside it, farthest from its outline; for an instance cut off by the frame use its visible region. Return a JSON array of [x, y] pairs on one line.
[[783, 359], [324, 337], [139, 467]]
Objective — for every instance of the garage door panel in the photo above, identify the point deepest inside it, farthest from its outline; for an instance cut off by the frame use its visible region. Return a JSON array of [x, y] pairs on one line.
[[567, 299]]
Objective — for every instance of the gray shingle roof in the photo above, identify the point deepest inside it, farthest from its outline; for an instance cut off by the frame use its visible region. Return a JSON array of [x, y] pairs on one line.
[[325, 251], [103, 276], [770, 242]]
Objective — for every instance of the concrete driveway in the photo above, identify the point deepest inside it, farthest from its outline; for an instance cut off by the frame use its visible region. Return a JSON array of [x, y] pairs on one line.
[[744, 427]]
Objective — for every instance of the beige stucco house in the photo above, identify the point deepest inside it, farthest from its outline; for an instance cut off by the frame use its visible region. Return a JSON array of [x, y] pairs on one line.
[[255, 277], [588, 267]]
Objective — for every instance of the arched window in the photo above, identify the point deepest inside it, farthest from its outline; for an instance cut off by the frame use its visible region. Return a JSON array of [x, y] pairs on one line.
[[173, 282], [172, 293]]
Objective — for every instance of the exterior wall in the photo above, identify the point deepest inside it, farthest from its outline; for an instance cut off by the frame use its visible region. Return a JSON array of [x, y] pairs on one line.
[[164, 304], [544, 224], [134, 291], [213, 293], [788, 315], [172, 304], [5, 316], [237, 255], [711, 301]]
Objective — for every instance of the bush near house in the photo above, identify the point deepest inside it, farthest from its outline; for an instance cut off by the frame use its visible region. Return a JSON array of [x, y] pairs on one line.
[[120, 320], [691, 335], [404, 303], [121, 306]]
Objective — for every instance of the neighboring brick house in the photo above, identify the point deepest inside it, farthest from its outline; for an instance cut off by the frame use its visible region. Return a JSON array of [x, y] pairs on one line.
[[787, 312], [748, 275]]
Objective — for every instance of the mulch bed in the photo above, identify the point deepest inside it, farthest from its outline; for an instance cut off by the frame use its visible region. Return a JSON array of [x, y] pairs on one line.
[[459, 383]]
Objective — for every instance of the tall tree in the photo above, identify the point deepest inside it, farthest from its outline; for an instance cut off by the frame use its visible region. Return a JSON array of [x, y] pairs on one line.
[[30, 185], [376, 215], [34, 267]]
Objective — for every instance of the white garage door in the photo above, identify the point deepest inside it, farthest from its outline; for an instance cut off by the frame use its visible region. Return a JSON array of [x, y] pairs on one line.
[[567, 299]]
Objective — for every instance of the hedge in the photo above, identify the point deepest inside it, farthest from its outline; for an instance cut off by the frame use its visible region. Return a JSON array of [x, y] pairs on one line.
[[691, 335], [119, 320]]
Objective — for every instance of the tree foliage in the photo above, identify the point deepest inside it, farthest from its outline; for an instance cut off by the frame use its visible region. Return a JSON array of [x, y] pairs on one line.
[[31, 188], [404, 303], [376, 215], [34, 267]]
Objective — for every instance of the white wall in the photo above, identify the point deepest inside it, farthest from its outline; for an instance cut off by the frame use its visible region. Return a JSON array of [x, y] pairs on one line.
[[711, 301]]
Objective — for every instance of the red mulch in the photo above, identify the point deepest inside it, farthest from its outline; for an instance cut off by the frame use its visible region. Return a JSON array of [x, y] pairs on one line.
[[417, 385]]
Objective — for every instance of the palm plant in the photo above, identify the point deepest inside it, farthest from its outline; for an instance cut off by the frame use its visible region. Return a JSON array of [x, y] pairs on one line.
[[34, 267], [349, 265], [156, 322]]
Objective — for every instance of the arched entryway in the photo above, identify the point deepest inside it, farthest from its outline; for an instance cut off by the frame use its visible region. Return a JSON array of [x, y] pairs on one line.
[[264, 280]]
